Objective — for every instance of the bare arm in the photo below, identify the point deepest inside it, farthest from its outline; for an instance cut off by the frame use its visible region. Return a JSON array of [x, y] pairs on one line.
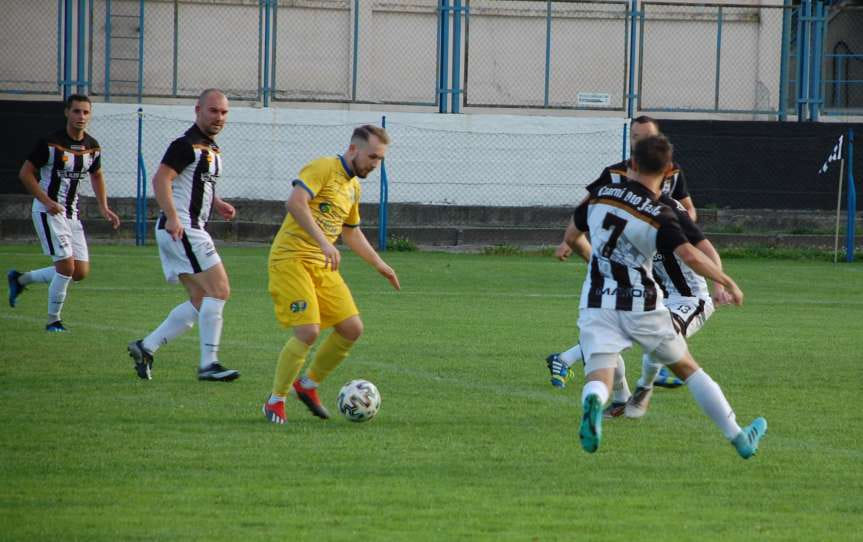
[[354, 238], [225, 209], [163, 189], [690, 207], [703, 265], [97, 180], [579, 243], [31, 183], [298, 206], [720, 296]]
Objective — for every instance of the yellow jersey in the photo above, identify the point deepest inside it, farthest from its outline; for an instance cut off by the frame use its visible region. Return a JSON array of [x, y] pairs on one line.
[[335, 203]]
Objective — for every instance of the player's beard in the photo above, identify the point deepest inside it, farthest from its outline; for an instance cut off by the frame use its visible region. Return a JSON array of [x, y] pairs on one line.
[[213, 130], [357, 172]]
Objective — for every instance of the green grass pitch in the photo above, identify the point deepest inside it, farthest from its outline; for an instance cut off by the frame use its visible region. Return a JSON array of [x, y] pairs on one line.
[[471, 443]]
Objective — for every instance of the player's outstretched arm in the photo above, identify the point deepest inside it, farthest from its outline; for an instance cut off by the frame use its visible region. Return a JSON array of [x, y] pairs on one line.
[[28, 179], [354, 238], [97, 180], [720, 296], [702, 265]]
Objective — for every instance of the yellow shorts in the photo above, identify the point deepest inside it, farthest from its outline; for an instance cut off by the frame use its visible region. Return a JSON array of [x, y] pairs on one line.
[[305, 292]]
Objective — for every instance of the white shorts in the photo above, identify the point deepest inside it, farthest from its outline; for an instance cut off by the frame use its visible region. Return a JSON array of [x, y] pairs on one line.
[[609, 331], [689, 313], [62, 238], [192, 254]]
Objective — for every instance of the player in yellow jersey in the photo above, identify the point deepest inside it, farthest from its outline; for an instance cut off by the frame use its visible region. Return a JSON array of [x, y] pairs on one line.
[[308, 292]]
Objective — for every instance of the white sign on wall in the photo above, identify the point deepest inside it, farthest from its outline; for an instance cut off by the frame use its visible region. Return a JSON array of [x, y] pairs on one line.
[[593, 99]]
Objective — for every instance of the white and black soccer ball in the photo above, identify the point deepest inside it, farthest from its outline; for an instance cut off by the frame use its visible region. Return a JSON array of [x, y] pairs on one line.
[[359, 400]]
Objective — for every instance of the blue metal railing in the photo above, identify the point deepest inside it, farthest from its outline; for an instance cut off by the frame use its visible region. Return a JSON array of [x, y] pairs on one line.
[[141, 191], [383, 202], [851, 208], [802, 57]]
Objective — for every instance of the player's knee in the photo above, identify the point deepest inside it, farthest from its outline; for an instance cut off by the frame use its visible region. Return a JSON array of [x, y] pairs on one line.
[[307, 334], [80, 274], [65, 267], [222, 292], [353, 330]]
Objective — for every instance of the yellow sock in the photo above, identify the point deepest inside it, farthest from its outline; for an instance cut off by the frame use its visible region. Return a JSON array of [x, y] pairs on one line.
[[290, 362], [331, 353]]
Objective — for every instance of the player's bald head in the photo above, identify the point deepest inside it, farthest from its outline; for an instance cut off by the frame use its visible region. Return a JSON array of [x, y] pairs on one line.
[[202, 98]]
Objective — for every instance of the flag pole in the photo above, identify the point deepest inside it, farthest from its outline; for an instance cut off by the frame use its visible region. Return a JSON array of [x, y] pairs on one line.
[[838, 206]]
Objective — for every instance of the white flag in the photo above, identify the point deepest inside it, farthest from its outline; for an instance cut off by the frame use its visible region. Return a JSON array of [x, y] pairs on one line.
[[834, 156]]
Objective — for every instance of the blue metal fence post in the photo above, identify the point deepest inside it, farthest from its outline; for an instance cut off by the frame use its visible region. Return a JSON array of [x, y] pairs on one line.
[[108, 50], [851, 228], [782, 107], [140, 194], [82, 47], [67, 49], [718, 57], [456, 56], [442, 89], [60, 44], [356, 51], [140, 49], [815, 61], [631, 94], [547, 50], [383, 200], [630, 97], [266, 82], [804, 17]]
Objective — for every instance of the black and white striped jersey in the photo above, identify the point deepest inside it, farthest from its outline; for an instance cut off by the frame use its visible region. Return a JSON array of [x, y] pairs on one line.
[[674, 184], [670, 272], [61, 164], [627, 226], [198, 162]]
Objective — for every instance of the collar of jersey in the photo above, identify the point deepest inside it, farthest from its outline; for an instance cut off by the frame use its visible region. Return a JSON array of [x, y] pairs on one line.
[[348, 171], [194, 129]]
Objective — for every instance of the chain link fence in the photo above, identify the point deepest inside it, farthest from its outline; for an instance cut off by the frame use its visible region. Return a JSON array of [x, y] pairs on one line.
[[711, 58], [731, 61], [30, 48], [843, 60], [546, 54], [500, 162]]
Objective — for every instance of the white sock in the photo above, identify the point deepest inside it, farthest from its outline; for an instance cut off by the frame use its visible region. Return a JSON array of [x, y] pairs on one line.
[[210, 329], [275, 399], [595, 387], [46, 274], [649, 370], [307, 382], [180, 320], [712, 401], [57, 296], [620, 391], [572, 356]]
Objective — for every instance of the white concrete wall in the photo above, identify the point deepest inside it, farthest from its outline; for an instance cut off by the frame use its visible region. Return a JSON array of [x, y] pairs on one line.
[[218, 45], [492, 160]]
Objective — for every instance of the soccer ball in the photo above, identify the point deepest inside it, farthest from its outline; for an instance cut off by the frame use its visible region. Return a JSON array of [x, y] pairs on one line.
[[359, 400]]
